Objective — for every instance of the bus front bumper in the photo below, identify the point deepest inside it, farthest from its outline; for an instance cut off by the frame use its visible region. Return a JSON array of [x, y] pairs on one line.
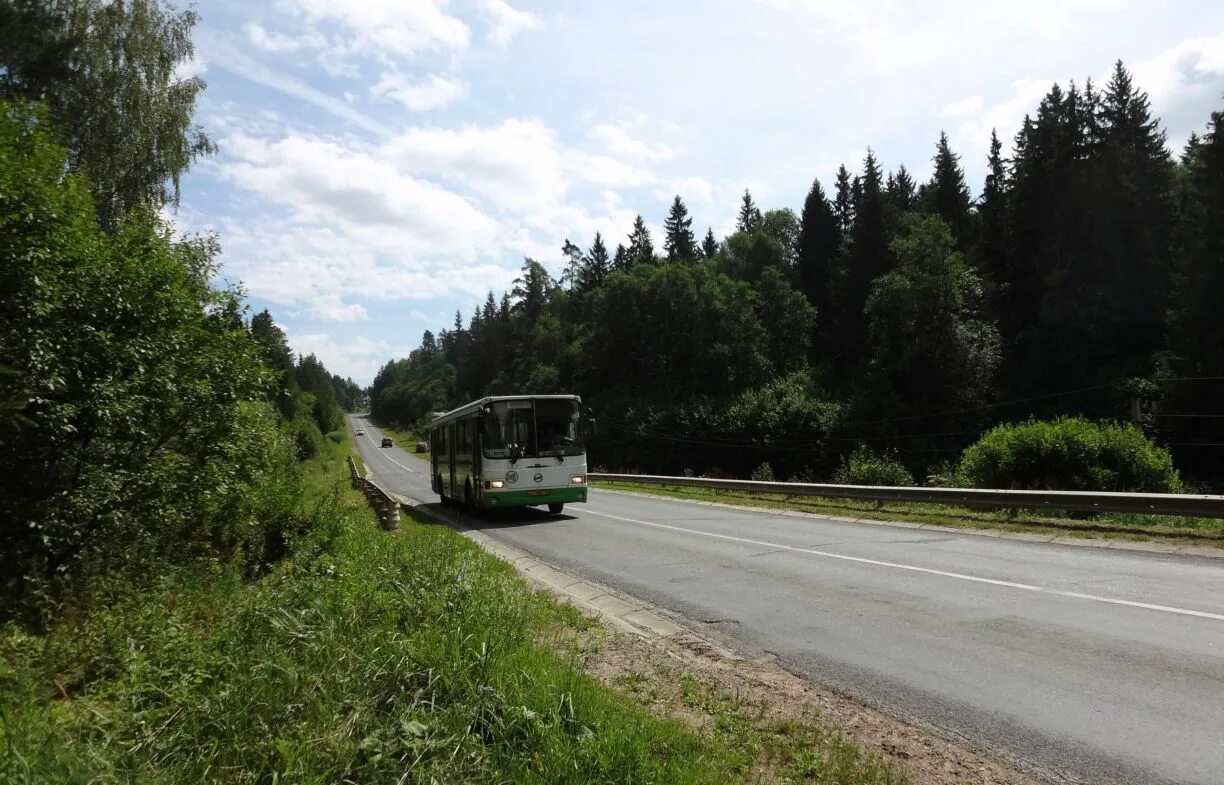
[[575, 494]]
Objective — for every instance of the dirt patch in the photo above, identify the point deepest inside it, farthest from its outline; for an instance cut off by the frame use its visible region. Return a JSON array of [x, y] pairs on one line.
[[702, 684]]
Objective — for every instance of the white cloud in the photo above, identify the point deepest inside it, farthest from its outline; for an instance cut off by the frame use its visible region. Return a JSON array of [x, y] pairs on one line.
[[506, 22], [619, 142], [392, 27], [1185, 83], [279, 42], [326, 182], [224, 55], [691, 189], [191, 68], [517, 165], [331, 308], [357, 358], [432, 92], [965, 106], [607, 172], [973, 133]]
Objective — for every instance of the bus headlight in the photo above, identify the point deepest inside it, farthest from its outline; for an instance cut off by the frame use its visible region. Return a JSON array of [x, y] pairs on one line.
[[578, 479], [494, 484]]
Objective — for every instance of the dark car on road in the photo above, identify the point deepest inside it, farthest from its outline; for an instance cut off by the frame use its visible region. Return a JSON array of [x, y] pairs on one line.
[[386, 442]]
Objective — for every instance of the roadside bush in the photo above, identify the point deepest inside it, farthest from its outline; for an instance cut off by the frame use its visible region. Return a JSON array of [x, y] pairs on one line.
[[131, 376], [307, 441], [1069, 454], [865, 467], [763, 473]]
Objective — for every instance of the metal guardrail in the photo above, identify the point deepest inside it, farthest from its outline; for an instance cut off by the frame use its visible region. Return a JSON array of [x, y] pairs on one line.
[[1189, 505], [383, 504]]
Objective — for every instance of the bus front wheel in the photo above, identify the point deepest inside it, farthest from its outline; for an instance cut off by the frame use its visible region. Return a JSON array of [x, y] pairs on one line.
[[556, 507]]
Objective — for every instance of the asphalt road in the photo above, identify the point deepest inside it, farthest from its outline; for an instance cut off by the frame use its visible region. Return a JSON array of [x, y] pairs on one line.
[[1102, 666]]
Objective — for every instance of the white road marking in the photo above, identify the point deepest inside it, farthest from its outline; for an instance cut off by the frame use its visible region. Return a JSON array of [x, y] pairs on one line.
[[388, 457], [927, 570]]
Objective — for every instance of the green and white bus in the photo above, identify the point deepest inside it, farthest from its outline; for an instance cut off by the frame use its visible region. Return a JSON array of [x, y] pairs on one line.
[[511, 451]]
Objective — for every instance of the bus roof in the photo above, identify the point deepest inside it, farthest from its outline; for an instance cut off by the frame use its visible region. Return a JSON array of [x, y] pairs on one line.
[[470, 408]]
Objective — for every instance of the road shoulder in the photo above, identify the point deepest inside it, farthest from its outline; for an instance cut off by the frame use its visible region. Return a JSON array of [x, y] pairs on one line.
[[652, 651]]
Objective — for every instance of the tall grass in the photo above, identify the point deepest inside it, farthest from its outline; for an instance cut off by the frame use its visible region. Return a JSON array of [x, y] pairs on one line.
[[365, 657]]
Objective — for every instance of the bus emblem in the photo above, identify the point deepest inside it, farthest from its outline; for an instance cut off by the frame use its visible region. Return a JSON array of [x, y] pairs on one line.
[[538, 477]]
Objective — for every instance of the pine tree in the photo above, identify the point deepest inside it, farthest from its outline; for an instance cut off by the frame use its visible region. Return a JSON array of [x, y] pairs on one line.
[[992, 249], [1137, 205], [1195, 318], [947, 194], [868, 258], [621, 260], [749, 216], [596, 265], [709, 246], [679, 242], [843, 201], [901, 190], [818, 248], [641, 247]]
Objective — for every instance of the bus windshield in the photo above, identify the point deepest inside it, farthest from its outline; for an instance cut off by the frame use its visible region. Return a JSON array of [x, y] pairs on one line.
[[532, 428]]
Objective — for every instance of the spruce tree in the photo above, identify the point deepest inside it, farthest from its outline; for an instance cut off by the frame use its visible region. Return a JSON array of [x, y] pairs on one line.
[[1136, 203], [709, 246], [868, 258], [843, 201], [679, 242], [749, 215], [947, 194], [596, 265], [1196, 318], [818, 248], [641, 247], [992, 248], [620, 259], [902, 192]]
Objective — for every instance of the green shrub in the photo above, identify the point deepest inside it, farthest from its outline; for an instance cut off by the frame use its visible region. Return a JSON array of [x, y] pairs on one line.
[[1069, 454], [763, 473], [337, 437], [130, 374], [865, 467], [307, 440]]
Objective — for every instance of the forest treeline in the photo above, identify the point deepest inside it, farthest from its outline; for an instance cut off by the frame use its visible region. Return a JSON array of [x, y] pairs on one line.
[[892, 315], [145, 420]]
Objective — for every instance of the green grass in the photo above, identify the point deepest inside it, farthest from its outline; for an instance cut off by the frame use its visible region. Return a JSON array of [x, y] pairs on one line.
[[1196, 531], [366, 657]]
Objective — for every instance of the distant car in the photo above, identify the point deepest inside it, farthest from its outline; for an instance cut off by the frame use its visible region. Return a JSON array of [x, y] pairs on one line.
[[422, 446], [360, 432], [386, 442]]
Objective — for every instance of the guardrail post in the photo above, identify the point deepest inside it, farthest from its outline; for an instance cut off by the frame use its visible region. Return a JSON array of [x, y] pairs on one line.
[[390, 514]]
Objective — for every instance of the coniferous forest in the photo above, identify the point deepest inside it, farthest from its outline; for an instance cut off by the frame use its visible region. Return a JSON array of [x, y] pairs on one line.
[[895, 317]]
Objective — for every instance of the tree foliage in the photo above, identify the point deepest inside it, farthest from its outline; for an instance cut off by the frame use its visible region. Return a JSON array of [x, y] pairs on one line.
[[138, 383], [110, 73], [916, 316]]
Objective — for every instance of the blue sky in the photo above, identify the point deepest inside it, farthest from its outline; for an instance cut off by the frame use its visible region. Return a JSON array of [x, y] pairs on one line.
[[384, 162]]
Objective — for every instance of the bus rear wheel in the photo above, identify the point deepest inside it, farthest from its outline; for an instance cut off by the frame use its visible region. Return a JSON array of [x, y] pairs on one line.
[[556, 507]]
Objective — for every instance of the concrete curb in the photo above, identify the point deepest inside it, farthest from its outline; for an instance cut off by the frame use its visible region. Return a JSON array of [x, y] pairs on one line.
[[1164, 548]]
